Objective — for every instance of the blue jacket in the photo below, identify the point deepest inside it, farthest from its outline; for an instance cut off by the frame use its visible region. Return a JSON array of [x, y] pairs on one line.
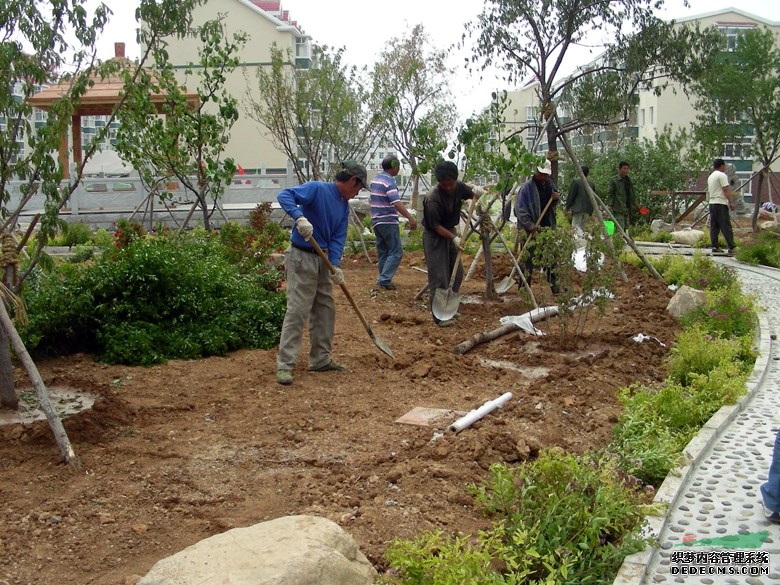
[[528, 205], [322, 204]]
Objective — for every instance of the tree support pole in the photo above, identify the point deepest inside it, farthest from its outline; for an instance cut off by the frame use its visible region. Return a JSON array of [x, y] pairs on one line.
[[66, 450], [600, 210]]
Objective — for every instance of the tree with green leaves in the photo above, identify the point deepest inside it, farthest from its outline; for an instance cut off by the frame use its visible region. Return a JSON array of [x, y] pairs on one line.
[[487, 151], [529, 39], [316, 116], [412, 96], [45, 43], [187, 141], [738, 98], [671, 162]]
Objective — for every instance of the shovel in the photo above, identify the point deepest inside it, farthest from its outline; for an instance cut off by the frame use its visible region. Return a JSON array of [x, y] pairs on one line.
[[377, 341], [446, 301], [509, 281]]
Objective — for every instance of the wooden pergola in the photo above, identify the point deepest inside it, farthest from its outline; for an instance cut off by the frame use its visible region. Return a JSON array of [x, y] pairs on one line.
[[99, 100]]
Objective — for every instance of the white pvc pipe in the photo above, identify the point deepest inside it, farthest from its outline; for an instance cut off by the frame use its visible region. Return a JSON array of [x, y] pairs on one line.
[[473, 416]]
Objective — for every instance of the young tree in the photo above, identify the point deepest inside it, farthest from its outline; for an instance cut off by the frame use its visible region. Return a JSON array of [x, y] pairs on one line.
[[738, 97], [42, 44], [533, 39], [412, 96], [315, 116], [670, 162], [188, 140]]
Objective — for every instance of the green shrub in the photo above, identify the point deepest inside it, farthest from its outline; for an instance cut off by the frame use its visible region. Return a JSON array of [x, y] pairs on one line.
[[646, 448], [74, 234], [102, 238], [437, 559], [159, 298], [699, 272], [699, 352], [571, 512], [728, 313], [765, 250]]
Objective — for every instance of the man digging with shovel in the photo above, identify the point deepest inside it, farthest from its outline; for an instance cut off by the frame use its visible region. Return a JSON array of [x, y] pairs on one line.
[[535, 210], [441, 214], [321, 212]]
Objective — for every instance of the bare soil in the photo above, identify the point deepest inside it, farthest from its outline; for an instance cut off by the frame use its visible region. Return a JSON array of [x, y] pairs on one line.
[[175, 453]]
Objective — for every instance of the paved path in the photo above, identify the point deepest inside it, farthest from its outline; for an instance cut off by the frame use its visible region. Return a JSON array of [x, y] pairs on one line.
[[715, 502]]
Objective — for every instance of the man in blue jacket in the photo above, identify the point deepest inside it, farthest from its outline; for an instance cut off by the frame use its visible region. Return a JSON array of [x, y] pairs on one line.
[[531, 201], [320, 210]]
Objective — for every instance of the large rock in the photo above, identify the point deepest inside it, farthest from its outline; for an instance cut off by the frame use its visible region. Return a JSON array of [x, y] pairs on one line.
[[689, 237], [685, 300], [294, 550], [659, 225]]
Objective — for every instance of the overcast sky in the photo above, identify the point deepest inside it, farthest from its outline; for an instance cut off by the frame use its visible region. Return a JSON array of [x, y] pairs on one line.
[[364, 30]]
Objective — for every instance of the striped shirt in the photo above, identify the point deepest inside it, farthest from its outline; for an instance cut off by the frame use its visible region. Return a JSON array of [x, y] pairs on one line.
[[384, 193]]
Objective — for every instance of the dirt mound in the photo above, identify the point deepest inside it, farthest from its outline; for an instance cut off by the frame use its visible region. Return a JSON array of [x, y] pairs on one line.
[[175, 453]]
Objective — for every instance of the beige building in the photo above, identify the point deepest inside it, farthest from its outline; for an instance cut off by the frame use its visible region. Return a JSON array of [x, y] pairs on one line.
[[655, 112], [265, 23]]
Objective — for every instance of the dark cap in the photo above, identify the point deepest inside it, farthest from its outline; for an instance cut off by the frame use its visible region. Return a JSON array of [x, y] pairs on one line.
[[357, 170]]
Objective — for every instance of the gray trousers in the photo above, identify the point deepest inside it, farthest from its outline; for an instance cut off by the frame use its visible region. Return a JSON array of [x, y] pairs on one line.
[[440, 256], [309, 296]]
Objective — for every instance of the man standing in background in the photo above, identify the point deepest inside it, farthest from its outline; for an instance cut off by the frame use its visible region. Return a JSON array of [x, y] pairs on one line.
[[385, 206], [620, 200], [578, 203], [720, 202]]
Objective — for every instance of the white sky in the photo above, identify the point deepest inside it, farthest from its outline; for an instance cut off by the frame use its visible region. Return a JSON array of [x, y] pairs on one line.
[[364, 30]]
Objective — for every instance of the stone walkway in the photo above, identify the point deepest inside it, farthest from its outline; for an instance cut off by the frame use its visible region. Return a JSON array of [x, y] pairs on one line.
[[715, 506]]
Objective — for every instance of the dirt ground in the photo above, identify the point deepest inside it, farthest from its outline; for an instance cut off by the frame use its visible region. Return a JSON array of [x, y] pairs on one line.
[[175, 453]]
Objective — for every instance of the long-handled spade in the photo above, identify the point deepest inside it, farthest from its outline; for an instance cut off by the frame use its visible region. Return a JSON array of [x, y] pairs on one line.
[[377, 341], [446, 301], [509, 281]]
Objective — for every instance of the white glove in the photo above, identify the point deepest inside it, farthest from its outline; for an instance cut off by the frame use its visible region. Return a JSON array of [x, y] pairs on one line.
[[456, 241], [304, 227], [337, 276]]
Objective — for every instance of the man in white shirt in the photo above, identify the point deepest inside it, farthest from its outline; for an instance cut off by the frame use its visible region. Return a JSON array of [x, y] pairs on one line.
[[720, 201]]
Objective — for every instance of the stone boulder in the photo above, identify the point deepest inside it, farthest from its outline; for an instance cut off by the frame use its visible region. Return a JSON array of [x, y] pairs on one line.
[[294, 550], [688, 237], [685, 300], [659, 225]]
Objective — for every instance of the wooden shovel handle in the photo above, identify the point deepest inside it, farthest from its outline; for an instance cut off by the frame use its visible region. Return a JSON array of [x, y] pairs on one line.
[[332, 270]]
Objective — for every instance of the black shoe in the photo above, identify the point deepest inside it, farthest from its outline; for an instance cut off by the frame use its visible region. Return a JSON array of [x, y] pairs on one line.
[[729, 252], [717, 251], [388, 286]]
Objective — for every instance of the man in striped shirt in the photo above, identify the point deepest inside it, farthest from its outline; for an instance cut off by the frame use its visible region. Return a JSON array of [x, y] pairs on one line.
[[385, 207]]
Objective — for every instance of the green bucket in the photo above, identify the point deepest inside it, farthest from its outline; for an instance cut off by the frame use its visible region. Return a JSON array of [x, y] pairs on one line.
[[610, 225]]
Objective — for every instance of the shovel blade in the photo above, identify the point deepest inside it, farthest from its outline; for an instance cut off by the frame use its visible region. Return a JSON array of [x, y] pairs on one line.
[[380, 343], [505, 285], [445, 304]]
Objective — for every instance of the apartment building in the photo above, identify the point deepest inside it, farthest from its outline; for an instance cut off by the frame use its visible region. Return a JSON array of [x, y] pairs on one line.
[[653, 112]]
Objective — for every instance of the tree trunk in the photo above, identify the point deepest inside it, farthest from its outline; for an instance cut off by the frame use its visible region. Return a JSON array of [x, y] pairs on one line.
[[757, 202], [486, 336], [68, 455], [490, 291], [8, 397]]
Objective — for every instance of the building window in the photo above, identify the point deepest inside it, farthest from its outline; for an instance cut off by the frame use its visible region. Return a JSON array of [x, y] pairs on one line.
[[732, 34], [530, 113], [40, 115], [652, 117]]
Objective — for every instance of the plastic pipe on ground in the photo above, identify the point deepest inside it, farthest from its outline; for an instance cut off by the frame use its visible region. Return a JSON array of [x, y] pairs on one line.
[[470, 418]]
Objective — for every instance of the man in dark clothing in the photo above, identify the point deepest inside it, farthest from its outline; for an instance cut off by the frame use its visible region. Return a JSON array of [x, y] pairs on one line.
[[531, 201], [441, 214], [621, 200], [578, 203]]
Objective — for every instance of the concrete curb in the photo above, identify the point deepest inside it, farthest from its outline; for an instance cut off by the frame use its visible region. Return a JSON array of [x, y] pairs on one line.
[[634, 567]]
